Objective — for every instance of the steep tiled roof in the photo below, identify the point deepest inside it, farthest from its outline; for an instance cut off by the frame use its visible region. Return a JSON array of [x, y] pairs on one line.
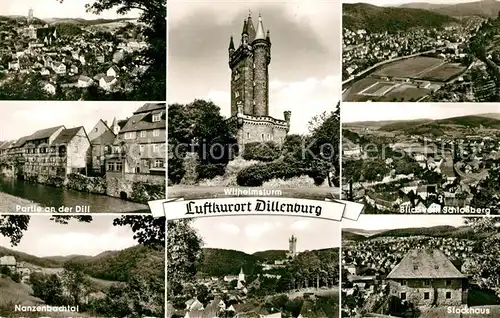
[[146, 108], [425, 264], [43, 133], [143, 121], [66, 135], [20, 142]]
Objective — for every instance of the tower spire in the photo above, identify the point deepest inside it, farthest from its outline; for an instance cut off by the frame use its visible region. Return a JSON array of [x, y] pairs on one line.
[[260, 35], [231, 44]]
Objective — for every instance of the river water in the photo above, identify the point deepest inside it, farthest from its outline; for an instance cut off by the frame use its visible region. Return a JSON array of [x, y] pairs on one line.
[[17, 193]]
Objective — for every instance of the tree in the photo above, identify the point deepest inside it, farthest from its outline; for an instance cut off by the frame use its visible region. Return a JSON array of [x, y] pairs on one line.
[[324, 142], [198, 127], [183, 252], [147, 286], [152, 84], [76, 282]]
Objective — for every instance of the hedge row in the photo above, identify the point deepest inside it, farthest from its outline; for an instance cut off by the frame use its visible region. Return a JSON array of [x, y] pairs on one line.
[[256, 175]]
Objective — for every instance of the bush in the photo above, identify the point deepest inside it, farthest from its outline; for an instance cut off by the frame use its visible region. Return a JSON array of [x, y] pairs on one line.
[[262, 151], [256, 175], [210, 171]]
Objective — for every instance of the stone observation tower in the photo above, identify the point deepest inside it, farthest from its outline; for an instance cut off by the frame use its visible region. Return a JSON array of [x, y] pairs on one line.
[[250, 87], [292, 246], [30, 16]]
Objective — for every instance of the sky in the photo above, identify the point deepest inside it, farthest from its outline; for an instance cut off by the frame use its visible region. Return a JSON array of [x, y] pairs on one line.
[[48, 238], [401, 221], [353, 112], [304, 73], [21, 119], [400, 2], [251, 234], [55, 9]]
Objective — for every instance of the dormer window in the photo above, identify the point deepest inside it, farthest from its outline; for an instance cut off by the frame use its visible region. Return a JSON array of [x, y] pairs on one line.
[[157, 117]]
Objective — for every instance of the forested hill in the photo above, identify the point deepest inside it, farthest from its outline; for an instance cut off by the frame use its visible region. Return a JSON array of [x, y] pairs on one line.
[[445, 231], [221, 262], [483, 8], [109, 265], [390, 19]]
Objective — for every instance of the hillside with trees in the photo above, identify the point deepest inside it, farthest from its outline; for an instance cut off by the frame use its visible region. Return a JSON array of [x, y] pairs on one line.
[[484, 8], [390, 19]]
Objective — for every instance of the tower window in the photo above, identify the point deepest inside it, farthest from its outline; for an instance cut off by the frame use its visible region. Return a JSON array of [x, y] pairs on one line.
[[262, 136], [236, 75], [236, 94], [248, 135]]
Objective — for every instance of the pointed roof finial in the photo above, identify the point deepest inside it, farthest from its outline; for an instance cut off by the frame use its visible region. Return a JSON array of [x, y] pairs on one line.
[[231, 43], [260, 30], [249, 13]]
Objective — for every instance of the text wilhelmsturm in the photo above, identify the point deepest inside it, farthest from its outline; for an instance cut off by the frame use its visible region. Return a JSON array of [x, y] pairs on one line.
[[260, 206]]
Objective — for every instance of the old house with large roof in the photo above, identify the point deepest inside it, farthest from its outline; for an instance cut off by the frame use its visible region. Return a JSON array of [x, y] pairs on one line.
[[142, 142], [56, 151], [427, 277]]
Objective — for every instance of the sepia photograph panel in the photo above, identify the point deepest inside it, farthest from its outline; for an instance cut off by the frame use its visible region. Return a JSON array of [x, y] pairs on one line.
[[435, 158], [410, 266], [416, 51], [262, 118], [82, 266], [254, 266], [71, 157], [83, 50]]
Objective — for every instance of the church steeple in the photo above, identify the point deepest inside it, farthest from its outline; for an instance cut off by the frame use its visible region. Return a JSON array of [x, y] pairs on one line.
[[260, 35]]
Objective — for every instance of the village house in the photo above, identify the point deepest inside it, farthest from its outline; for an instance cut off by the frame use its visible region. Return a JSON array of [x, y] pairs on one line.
[[84, 81], [426, 277], [8, 262], [49, 88], [59, 68], [113, 71], [140, 144], [56, 151], [101, 139], [107, 82]]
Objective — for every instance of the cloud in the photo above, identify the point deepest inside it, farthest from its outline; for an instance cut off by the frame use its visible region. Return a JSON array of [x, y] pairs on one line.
[[256, 230], [228, 228], [300, 225], [306, 99], [220, 98]]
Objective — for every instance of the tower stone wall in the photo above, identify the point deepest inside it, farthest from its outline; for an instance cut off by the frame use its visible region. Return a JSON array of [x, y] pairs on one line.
[[249, 65]]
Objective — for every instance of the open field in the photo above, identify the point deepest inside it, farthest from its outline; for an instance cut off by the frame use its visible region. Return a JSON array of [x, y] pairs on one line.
[[369, 89], [443, 73], [378, 89], [403, 81], [409, 68]]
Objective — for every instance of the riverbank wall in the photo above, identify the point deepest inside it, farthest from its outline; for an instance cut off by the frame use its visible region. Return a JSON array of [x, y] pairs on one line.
[[139, 188], [73, 181], [135, 187]]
